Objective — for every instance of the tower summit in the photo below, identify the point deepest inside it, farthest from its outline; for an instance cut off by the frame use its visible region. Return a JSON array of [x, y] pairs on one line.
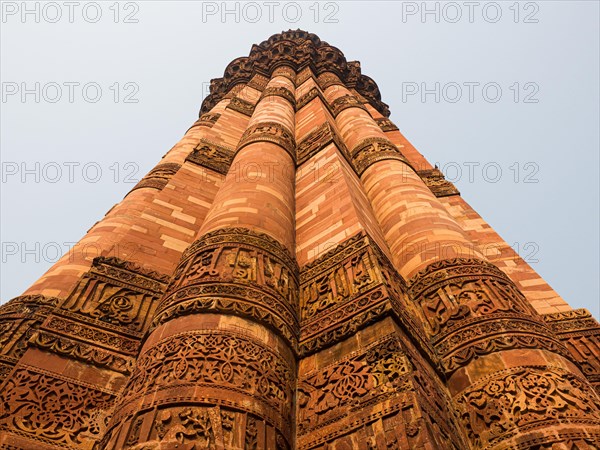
[[294, 274]]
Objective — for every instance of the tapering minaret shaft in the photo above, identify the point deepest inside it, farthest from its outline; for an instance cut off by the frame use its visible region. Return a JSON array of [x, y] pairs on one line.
[[462, 299], [226, 330]]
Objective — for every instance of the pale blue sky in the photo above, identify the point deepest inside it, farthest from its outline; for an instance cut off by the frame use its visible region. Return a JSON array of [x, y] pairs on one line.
[[544, 51]]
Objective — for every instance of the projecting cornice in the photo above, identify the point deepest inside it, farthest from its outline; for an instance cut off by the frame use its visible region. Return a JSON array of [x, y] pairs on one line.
[[297, 49]]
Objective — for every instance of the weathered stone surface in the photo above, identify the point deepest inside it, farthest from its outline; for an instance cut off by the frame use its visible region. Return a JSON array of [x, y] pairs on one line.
[[294, 274]]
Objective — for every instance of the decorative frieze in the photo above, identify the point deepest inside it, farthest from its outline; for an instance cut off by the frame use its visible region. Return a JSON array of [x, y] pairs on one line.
[[212, 156], [53, 410], [117, 292], [270, 132], [206, 120], [317, 140], [383, 380], [19, 320], [258, 82], [242, 106], [386, 124], [309, 97], [87, 353], [435, 181], [279, 91], [344, 102], [580, 333], [344, 290], [158, 177], [525, 398], [452, 290], [219, 368], [371, 150], [235, 270]]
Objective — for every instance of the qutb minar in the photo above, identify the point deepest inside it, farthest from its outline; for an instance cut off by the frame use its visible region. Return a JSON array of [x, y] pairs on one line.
[[294, 274]]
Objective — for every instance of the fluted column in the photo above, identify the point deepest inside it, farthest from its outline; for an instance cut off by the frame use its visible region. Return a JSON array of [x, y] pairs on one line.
[[225, 333], [511, 380]]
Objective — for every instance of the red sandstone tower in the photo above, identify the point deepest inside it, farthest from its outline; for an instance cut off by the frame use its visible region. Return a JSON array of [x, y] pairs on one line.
[[298, 277]]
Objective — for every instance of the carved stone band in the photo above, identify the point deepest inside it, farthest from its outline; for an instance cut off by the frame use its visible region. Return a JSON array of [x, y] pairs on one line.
[[436, 182], [386, 124], [279, 91], [525, 399], [242, 106], [206, 120], [212, 367], [158, 177], [344, 290], [270, 132], [236, 271], [345, 102], [371, 150], [451, 291], [212, 156], [317, 140]]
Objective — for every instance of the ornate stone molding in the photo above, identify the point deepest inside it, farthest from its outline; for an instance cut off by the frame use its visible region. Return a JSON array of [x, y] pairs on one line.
[[523, 399], [386, 124], [435, 181], [295, 50], [258, 82], [309, 97], [158, 177], [372, 150], [317, 140], [206, 120], [80, 351], [236, 271], [212, 156], [53, 410], [346, 289], [270, 132], [580, 333], [330, 393], [452, 290], [384, 379], [221, 362], [278, 91], [326, 80], [115, 295], [347, 101], [242, 106], [461, 345]]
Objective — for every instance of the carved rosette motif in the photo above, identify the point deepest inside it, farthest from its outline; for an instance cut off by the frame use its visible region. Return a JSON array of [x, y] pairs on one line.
[[580, 333], [213, 156], [158, 177], [270, 132], [435, 181], [236, 271], [523, 399], [206, 367], [371, 150], [53, 410]]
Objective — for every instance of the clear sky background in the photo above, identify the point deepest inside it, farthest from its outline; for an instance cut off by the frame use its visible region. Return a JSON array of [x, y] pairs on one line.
[[520, 139]]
